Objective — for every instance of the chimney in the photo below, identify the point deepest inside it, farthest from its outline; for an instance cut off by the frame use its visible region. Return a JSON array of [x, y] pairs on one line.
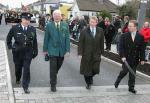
[[101, 1]]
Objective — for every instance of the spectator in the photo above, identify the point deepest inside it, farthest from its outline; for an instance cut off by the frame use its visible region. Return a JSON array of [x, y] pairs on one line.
[[75, 29], [63, 18], [109, 33], [101, 23], [126, 22], [82, 23], [117, 39], [117, 23], [145, 31]]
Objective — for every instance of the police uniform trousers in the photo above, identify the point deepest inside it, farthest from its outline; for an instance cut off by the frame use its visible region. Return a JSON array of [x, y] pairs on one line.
[[55, 64], [22, 60], [124, 72]]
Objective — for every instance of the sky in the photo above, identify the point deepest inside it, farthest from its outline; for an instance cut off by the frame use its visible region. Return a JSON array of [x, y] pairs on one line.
[[17, 3]]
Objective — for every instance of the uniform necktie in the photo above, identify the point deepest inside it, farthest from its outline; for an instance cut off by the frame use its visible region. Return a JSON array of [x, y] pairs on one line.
[[24, 29]]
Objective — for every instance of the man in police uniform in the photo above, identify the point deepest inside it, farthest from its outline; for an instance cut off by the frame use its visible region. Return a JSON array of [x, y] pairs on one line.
[[131, 49], [24, 48]]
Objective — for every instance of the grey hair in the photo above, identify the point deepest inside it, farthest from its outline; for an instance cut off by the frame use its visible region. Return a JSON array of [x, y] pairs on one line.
[[56, 11]]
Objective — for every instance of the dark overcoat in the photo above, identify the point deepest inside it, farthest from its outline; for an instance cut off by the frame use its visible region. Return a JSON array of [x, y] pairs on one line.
[[91, 49]]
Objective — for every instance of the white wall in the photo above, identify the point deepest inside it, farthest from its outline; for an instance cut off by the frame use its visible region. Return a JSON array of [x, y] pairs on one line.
[[88, 13], [47, 7], [37, 8], [75, 10]]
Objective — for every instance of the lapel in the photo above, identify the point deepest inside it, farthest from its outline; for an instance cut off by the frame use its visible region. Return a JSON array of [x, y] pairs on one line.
[[54, 25], [60, 26], [20, 27], [135, 38], [130, 38], [96, 34], [28, 29], [58, 33]]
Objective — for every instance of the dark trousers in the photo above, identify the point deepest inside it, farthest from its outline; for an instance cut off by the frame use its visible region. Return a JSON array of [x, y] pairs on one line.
[[88, 79], [55, 65], [22, 60], [123, 73], [108, 42]]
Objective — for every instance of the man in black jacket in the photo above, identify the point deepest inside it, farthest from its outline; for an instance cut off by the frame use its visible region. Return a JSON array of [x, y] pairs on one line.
[[131, 49], [24, 49]]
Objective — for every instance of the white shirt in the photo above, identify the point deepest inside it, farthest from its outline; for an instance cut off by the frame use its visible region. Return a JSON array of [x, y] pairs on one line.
[[133, 34], [24, 28], [57, 24], [93, 30]]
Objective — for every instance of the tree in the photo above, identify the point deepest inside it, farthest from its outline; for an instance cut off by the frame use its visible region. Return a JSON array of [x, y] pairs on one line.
[[105, 14], [130, 8], [148, 10]]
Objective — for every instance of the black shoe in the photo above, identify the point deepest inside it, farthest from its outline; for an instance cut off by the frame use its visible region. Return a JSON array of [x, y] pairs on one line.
[[116, 85], [133, 91], [26, 91], [53, 88], [88, 86], [17, 82]]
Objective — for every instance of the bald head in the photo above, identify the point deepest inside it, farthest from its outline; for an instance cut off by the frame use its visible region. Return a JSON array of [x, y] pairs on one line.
[[146, 25], [57, 15]]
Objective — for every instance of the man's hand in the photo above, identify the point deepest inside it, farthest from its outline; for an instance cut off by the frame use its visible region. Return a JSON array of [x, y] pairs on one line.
[[80, 56], [142, 62], [45, 53], [123, 59], [67, 54]]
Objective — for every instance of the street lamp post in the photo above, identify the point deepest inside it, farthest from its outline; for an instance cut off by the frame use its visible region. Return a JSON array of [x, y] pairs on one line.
[[142, 13]]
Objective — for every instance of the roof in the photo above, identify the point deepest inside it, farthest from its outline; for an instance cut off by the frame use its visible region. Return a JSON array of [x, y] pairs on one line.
[[46, 2], [96, 5], [2, 6], [52, 1]]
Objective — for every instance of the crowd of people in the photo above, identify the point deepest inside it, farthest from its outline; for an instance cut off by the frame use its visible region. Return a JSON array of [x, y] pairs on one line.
[[90, 32]]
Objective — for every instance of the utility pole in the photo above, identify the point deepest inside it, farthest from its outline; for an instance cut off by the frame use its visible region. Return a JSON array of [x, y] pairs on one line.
[[118, 2], [42, 6], [142, 13]]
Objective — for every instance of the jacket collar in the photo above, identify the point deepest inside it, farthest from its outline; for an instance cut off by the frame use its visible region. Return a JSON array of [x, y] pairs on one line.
[[89, 31]]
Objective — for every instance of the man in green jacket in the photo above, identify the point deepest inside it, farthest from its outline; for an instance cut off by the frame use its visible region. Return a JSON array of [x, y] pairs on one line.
[[56, 45]]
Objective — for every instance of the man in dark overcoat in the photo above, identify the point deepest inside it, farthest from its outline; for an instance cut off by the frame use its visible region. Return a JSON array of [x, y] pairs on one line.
[[131, 49], [91, 46]]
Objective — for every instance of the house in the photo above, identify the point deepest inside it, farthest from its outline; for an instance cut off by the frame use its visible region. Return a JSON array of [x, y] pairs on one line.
[[64, 8], [3, 8], [46, 6], [92, 7]]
